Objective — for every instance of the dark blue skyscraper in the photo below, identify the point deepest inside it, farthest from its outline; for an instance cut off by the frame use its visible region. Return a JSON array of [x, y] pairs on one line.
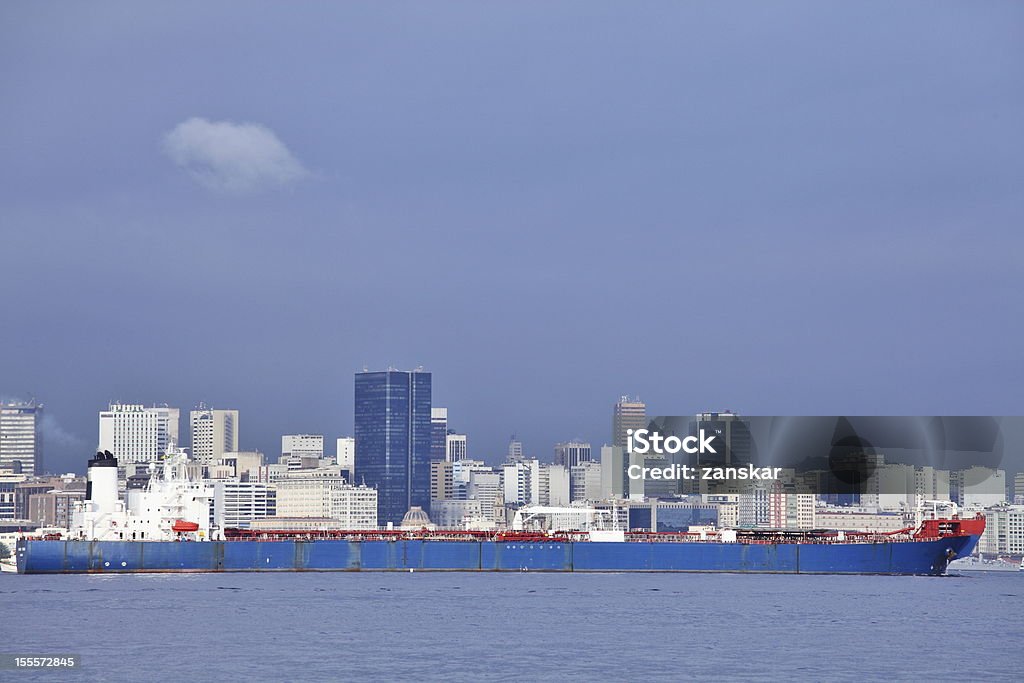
[[393, 436]]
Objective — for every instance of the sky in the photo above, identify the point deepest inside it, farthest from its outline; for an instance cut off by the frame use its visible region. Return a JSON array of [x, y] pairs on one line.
[[775, 208]]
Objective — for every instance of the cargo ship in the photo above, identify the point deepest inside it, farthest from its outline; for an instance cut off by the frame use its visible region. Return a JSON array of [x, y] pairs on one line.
[[164, 528]]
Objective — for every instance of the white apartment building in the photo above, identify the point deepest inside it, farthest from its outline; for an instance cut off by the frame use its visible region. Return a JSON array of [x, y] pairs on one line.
[[237, 503], [21, 438], [136, 434], [324, 493], [355, 507], [585, 482], [214, 433], [345, 455], [979, 487], [788, 510], [1004, 531], [517, 482]]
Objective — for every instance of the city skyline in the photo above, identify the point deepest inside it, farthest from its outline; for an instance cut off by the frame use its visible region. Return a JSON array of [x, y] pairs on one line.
[[756, 218]]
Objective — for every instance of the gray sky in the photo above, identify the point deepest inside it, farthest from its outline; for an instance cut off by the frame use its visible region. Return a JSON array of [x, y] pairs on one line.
[[779, 208]]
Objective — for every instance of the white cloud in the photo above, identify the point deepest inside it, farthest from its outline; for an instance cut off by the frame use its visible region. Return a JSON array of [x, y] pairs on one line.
[[232, 157]]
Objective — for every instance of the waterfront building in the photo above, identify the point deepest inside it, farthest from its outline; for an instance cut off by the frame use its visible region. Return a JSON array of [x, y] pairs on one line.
[[628, 413], [393, 439], [572, 453], [456, 514], [214, 433], [978, 487], [136, 434], [21, 438], [1004, 531], [237, 503], [859, 519], [789, 510], [53, 508]]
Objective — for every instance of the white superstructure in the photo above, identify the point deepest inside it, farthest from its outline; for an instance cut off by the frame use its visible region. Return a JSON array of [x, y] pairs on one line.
[[172, 506]]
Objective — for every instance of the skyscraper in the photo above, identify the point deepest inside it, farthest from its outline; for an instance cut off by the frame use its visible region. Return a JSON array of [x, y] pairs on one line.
[[628, 413], [438, 433], [214, 433], [515, 449], [136, 434], [572, 453], [730, 429], [455, 447], [21, 438], [393, 439]]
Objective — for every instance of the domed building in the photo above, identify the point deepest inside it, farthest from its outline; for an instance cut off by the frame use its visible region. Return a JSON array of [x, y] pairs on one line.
[[416, 518]]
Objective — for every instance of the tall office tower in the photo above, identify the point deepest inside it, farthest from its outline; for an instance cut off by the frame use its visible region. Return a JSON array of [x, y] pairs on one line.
[[585, 481], [393, 439], [136, 434], [214, 433], [572, 453], [515, 449], [517, 480], [614, 472], [628, 413], [438, 433], [21, 437], [730, 428], [345, 456], [442, 481], [455, 447], [1018, 489]]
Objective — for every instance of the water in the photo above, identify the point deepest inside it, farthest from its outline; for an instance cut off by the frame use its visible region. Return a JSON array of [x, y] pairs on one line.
[[465, 626]]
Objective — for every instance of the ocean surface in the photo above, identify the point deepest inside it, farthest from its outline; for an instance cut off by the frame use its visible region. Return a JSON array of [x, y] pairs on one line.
[[526, 627]]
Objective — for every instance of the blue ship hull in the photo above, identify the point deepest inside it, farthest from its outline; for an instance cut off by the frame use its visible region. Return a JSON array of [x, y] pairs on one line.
[[78, 557]]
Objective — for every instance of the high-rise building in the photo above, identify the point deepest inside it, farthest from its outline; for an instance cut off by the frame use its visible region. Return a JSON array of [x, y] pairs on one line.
[[572, 453], [978, 487], [214, 433], [515, 449], [614, 469], [393, 439], [442, 480], [455, 447], [237, 503], [1018, 489], [21, 437], [136, 434], [345, 456], [517, 482], [585, 481], [730, 428], [438, 433], [628, 413]]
